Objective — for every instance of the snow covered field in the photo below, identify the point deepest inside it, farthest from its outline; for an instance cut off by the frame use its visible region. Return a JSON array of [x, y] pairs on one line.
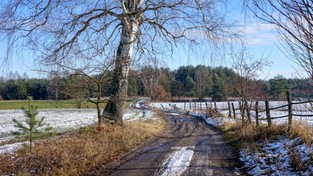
[[58, 119]]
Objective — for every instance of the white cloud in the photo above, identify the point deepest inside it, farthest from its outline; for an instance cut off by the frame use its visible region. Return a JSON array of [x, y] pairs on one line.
[[258, 27], [260, 34]]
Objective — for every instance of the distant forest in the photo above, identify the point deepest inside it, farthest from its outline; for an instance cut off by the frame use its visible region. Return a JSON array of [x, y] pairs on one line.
[[219, 83]]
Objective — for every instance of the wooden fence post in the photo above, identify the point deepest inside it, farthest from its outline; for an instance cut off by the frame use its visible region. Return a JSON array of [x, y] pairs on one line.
[[234, 111], [268, 115], [184, 105], [195, 105], [257, 113], [289, 111], [190, 105], [200, 105], [206, 104], [229, 109]]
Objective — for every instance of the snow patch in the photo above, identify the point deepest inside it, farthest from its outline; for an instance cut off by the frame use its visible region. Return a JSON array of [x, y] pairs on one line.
[[177, 162], [9, 148], [211, 121], [275, 158]]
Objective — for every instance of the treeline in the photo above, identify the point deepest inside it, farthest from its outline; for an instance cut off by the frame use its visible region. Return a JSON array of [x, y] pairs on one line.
[[218, 83]]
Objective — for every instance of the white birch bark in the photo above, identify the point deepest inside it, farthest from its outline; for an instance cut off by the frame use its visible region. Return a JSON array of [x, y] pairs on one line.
[[130, 29]]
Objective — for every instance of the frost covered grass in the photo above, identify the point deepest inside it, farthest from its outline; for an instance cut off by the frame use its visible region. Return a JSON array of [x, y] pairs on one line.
[[89, 149]]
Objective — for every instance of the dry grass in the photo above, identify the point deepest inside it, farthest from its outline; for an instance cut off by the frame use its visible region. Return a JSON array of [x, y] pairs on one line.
[[210, 112], [247, 135], [79, 153], [303, 130]]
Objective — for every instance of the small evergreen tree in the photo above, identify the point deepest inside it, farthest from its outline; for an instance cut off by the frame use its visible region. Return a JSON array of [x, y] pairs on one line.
[[29, 129]]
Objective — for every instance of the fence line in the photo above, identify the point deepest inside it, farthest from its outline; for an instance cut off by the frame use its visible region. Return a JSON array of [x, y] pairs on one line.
[[244, 109]]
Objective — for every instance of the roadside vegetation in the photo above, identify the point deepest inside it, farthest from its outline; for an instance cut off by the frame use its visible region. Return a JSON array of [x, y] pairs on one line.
[[89, 149], [246, 136], [273, 150]]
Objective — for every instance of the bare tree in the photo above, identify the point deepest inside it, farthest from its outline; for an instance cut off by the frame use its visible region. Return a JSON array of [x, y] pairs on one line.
[[79, 32], [150, 77], [92, 78], [247, 67], [293, 20]]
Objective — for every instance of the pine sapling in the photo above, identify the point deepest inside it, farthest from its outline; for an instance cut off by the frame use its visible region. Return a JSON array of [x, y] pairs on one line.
[[31, 127]]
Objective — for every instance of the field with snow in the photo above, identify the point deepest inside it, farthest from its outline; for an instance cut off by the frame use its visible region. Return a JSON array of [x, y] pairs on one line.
[[59, 119]]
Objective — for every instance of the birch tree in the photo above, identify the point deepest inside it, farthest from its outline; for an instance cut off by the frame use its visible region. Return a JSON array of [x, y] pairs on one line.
[[81, 33]]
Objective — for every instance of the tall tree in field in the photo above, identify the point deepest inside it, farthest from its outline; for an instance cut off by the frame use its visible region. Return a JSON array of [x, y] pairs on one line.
[[82, 33]]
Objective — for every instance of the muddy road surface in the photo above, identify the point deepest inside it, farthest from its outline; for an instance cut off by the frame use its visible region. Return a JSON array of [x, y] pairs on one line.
[[188, 147]]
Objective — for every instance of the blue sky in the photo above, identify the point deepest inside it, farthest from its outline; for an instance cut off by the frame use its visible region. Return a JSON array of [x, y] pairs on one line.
[[260, 39]]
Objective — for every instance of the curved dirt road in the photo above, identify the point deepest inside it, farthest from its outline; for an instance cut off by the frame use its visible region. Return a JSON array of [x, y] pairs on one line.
[[189, 147]]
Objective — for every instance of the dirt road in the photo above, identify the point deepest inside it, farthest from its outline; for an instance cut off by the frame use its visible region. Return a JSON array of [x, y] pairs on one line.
[[189, 147]]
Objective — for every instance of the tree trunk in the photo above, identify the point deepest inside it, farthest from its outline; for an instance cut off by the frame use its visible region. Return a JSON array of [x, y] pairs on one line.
[[98, 104], [115, 106]]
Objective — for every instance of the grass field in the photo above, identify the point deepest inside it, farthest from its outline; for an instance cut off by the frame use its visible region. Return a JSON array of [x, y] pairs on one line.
[[45, 104]]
